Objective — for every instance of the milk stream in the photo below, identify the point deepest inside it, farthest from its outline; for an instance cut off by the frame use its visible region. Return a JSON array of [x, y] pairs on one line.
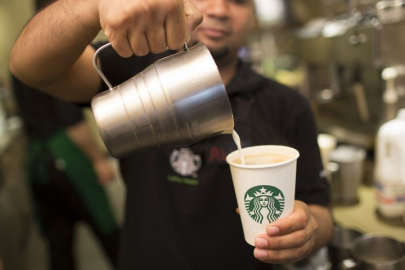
[[236, 138]]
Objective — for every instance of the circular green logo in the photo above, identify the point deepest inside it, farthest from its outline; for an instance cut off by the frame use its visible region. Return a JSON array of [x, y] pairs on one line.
[[264, 203]]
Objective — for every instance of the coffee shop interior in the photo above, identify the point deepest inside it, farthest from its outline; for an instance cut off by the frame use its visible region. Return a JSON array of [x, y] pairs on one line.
[[346, 57]]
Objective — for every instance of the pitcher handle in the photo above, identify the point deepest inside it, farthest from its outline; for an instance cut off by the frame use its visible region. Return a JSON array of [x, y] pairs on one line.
[[99, 70]]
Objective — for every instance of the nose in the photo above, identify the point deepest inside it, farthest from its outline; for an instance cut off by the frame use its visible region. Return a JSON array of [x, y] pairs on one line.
[[218, 8]]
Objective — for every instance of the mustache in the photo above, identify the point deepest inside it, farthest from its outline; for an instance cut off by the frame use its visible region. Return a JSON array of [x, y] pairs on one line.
[[218, 25]]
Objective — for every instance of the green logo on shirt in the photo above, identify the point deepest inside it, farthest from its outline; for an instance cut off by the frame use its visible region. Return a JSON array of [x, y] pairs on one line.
[[264, 203]]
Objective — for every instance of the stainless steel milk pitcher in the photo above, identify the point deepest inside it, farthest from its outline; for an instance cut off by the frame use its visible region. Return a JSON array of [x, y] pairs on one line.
[[178, 100]]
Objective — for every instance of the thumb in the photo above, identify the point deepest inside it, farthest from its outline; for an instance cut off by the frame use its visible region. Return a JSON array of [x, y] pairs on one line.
[[193, 17]]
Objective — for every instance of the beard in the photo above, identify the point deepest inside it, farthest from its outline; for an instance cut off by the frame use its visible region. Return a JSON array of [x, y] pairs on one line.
[[218, 54]]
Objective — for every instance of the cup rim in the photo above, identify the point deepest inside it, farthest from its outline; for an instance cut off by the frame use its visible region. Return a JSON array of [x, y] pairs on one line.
[[294, 158]]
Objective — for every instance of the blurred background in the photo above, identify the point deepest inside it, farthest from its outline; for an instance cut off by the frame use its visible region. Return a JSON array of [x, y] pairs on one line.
[[346, 56]]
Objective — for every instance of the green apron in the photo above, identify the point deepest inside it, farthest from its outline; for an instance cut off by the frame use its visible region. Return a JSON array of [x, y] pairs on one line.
[[79, 170]]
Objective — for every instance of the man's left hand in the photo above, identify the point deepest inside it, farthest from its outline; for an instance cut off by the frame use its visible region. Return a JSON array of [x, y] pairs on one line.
[[288, 239]]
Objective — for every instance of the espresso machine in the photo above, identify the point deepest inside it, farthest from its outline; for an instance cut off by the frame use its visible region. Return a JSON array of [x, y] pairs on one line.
[[344, 57]]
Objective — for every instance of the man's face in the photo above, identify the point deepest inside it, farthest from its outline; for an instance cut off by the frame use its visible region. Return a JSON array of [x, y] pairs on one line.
[[225, 27]]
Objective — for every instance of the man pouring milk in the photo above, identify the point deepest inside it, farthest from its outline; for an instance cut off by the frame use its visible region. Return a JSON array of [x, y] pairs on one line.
[[184, 219]]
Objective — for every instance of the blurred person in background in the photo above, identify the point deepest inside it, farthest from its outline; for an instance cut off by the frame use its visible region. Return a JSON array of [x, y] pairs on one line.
[[66, 171], [177, 220]]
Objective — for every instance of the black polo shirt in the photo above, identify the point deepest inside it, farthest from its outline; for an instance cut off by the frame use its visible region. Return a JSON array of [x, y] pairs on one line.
[[180, 208]]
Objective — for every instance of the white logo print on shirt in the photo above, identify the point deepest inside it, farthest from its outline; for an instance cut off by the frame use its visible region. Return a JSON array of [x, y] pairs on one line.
[[185, 162]]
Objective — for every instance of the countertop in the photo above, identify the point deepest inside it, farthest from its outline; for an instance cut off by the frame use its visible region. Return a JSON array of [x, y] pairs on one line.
[[364, 217]]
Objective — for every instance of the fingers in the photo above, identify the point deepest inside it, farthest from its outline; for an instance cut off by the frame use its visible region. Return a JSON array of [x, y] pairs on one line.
[[176, 27], [118, 38], [138, 44], [281, 256], [140, 27], [288, 239], [292, 240], [297, 220], [155, 38], [193, 17]]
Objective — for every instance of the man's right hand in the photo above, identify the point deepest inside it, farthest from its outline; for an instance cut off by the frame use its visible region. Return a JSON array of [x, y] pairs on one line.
[[142, 26], [52, 53]]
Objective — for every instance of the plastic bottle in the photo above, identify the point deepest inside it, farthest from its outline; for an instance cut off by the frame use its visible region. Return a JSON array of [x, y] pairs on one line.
[[389, 171]]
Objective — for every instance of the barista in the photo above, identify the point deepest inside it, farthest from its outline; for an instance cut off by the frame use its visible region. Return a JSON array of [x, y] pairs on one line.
[[172, 224]]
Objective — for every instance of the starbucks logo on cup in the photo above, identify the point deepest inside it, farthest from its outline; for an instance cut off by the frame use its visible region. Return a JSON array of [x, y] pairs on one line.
[[264, 203]]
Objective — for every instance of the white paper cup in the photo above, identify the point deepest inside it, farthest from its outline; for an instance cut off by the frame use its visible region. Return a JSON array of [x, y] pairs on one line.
[[266, 192]]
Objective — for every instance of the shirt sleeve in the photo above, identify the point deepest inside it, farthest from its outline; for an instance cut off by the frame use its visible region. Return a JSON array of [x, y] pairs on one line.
[[68, 113]]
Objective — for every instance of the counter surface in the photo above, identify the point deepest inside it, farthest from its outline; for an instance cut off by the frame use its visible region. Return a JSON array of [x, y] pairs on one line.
[[364, 217]]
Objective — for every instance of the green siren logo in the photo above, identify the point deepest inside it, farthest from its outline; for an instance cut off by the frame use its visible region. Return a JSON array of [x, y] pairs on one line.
[[264, 203]]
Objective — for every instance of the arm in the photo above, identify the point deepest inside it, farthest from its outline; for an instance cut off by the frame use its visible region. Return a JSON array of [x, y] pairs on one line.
[[52, 52], [80, 134], [296, 236], [322, 216]]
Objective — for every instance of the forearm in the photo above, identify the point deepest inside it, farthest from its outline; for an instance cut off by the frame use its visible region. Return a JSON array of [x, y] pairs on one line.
[[52, 52], [53, 40], [80, 134], [324, 219]]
